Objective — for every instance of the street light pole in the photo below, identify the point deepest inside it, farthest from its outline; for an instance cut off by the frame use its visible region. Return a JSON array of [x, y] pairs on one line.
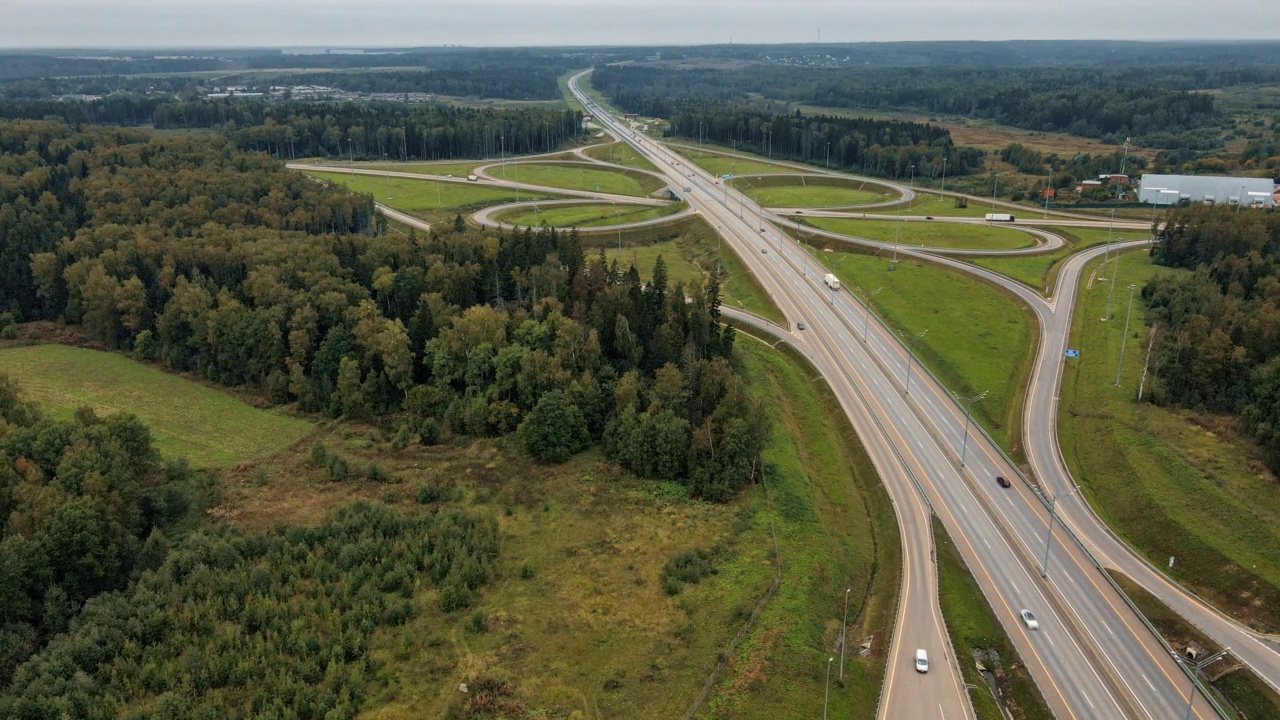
[[944, 173], [1125, 337], [994, 185], [968, 407], [1195, 668], [828, 167], [826, 700], [910, 357], [1053, 515], [844, 629], [866, 314]]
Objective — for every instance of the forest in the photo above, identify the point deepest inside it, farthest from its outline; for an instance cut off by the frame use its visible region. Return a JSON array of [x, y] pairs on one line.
[[887, 148], [510, 83], [1155, 107], [1218, 343]]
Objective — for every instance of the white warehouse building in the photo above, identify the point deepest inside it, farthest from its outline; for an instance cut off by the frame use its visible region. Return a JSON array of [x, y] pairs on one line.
[[1169, 189]]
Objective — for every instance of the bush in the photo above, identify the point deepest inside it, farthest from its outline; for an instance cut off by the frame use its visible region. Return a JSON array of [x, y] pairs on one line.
[[455, 596], [319, 454], [429, 431], [430, 493], [338, 468], [377, 473], [688, 567], [402, 439], [555, 429]]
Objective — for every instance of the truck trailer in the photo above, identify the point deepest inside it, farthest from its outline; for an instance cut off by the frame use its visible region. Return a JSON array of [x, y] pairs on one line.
[[832, 281], [999, 217]]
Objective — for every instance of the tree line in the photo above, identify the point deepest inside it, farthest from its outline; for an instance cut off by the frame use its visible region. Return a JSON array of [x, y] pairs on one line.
[[888, 148], [1109, 104], [1218, 340], [466, 332], [510, 83]]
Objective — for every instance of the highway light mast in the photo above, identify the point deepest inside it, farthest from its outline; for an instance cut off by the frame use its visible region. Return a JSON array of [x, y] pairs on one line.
[[1125, 336], [1052, 499], [968, 408], [910, 356], [1194, 669]]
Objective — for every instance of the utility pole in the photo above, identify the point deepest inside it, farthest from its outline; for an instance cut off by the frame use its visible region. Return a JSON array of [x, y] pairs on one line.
[[826, 700], [910, 356], [1142, 384], [968, 407], [1053, 503], [1125, 337], [844, 629], [828, 167]]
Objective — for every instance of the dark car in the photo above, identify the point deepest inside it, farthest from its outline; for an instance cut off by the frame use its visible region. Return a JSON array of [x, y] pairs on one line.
[[1001, 481], [928, 217], [800, 325]]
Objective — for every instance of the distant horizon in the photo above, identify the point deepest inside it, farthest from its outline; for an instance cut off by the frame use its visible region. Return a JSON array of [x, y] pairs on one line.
[[320, 48]]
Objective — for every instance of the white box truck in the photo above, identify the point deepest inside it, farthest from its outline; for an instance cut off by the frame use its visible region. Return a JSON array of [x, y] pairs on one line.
[[832, 281], [999, 217]]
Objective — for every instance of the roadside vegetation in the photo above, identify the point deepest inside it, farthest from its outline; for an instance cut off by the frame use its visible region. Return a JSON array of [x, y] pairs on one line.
[[189, 420], [976, 337], [580, 176], [458, 170], [804, 195], [928, 234], [586, 216], [1170, 482], [928, 205], [974, 628], [429, 200], [721, 161], [620, 153], [1040, 271]]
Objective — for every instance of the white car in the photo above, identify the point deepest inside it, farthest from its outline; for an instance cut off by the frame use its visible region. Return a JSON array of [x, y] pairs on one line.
[[1029, 619], [922, 661]]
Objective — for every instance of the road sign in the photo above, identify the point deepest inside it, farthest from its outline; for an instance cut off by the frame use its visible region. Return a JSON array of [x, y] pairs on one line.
[[1073, 353]]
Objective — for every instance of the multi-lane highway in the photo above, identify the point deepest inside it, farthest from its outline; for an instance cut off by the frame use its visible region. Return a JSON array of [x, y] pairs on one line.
[[1091, 656]]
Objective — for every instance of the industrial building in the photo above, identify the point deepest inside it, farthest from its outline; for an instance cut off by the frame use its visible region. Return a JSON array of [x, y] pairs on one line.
[[1170, 189]]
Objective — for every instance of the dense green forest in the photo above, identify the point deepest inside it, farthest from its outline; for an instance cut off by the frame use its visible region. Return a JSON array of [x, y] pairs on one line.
[[511, 83], [1219, 326], [1154, 107], [888, 148], [213, 260]]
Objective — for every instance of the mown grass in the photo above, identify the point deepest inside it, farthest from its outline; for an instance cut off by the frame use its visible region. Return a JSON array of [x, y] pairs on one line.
[[570, 101], [1171, 483], [208, 427], [691, 251], [978, 337], [579, 177], [1040, 272], [973, 625], [456, 169], [718, 164], [928, 234], [588, 215], [808, 196], [1241, 689], [836, 530], [925, 205], [623, 154], [429, 200]]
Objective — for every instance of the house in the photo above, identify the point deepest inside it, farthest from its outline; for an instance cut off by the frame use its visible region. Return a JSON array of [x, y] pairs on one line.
[[1049, 193], [1114, 179], [1088, 185]]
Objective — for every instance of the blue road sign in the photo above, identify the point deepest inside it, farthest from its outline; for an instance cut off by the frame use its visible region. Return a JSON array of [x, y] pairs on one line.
[[1073, 353]]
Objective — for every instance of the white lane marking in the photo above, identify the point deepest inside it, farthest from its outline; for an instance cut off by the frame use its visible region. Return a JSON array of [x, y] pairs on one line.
[[1015, 587], [1086, 699], [984, 542], [1153, 687]]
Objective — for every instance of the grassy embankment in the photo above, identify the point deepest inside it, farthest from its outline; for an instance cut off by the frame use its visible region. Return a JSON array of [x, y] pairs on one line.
[[1040, 272], [925, 205], [581, 176], [620, 153], [928, 234], [691, 249], [209, 427], [429, 200], [1170, 482], [586, 216], [577, 620], [725, 163], [456, 169], [972, 625], [978, 337], [805, 195], [1241, 690]]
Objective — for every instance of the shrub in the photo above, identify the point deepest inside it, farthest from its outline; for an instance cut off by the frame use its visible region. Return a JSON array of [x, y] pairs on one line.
[[689, 567], [455, 596]]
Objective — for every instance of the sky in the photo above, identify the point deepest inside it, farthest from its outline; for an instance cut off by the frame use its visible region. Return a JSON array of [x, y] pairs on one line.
[[390, 23]]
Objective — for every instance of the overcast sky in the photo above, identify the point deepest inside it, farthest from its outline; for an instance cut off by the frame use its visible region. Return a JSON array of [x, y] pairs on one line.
[[273, 23]]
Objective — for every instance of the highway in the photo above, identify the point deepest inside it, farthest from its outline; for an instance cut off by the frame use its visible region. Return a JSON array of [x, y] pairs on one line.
[[1092, 657]]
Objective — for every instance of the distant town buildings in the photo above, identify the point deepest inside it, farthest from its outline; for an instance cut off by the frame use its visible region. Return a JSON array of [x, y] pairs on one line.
[[1171, 189]]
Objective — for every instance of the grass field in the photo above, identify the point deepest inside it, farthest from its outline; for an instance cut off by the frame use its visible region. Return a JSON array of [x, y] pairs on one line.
[[456, 169], [1241, 689], [690, 251], [427, 199], [1169, 482], [208, 427], [1040, 272], [978, 338], [589, 215], [929, 234], [718, 164], [576, 621], [621, 153], [937, 206], [801, 196], [569, 100], [835, 530], [579, 177], [972, 625]]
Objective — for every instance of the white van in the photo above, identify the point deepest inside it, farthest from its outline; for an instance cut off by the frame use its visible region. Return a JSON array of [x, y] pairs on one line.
[[922, 661]]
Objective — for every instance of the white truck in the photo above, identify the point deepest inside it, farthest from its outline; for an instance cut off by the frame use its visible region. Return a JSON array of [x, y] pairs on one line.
[[1000, 217], [832, 281]]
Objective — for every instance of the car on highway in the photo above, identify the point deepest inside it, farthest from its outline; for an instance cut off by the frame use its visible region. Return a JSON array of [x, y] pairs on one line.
[[764, 251], [1002, 481], [1029, 619], [922, 661], [800, 325]]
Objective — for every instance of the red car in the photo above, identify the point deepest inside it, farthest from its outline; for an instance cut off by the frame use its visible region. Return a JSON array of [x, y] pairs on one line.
[[1001, 481]]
